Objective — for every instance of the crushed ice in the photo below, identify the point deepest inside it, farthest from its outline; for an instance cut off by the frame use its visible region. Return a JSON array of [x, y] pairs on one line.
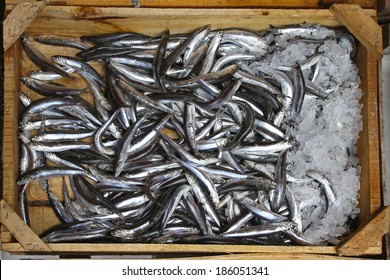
[[327, 132]]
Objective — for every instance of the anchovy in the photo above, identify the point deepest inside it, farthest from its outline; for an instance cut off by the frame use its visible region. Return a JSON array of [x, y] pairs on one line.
[[261, 230], [264, 149], [214, 77], [61, 41], [59, 146], [99, 134], [188, 43], [158, 59], [225, 96], [139, 97], [298, 93], [44, 104], [58, 135], [203, 179], [328, 189], [279, 194], [47, 75], [190, 127], [211, 53], [246, 127], [178, 138], [79, 66], [42, 173], [121, 154], [39, 59]]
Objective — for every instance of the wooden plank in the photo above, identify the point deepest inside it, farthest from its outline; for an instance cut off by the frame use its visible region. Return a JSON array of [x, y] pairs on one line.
[[18, 20], [42, 218], [381, 134], [251, 3], [76, 12], [373, 121], [175, 248], [10, 126], [268, 256], [368, 234], [361, 25], [61, 20], [5, 235], [101, 249], [25, 236], [369, 159], [208, 3], [96, 20]]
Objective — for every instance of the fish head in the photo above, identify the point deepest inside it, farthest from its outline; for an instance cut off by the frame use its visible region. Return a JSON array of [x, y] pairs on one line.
[[25, 80], [118, 169], [292, 142], [37, 138], [49, 155], [102, 210], [117, 233], [22, 181], [59, 60], [293, 226]]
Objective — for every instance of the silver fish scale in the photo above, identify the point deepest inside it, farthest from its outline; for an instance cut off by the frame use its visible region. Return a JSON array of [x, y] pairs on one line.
[[196, 137]]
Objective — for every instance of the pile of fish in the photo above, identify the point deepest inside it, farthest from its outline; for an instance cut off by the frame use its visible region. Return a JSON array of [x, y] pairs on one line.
[[186, 140]]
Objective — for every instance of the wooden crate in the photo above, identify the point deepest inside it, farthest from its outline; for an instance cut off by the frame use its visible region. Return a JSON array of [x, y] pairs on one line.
[[38, 18]]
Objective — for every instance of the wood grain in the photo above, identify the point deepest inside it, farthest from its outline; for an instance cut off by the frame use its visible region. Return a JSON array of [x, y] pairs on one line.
[[159, 249], [368, 234], [97, 20], [26, 237], [18, 20], [10, 128], [267, 256], [67, 21], [208, 3], [360, 24], [369, 158]]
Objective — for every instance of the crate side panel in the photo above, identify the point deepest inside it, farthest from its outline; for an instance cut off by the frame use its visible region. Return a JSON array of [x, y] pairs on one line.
[[42, 218], [10, 127], [65, 17], [112, 20], [104, 20], [368, 143], [207, 3], [83, 248]]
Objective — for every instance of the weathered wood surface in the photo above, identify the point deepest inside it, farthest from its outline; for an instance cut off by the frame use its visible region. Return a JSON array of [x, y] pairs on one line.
[[367, 235], [206, 3], [66, 21], [98, 20], [360, 24], [10, 149], [185, 249], [18, 20], [23, 233], [267, 256], [368, 145]]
